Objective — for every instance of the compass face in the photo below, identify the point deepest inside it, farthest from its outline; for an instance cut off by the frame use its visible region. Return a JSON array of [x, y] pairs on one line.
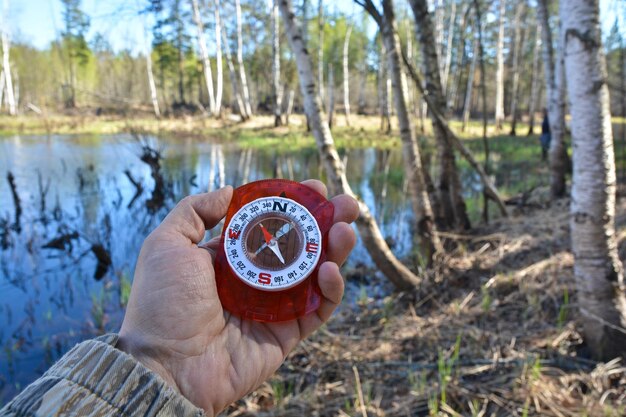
[[273, 243]]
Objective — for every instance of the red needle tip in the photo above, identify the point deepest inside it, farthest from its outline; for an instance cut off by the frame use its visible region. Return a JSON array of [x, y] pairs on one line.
[[267, 235]]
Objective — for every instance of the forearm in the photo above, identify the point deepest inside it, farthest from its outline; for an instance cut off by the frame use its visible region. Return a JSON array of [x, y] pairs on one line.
[[95, 379]]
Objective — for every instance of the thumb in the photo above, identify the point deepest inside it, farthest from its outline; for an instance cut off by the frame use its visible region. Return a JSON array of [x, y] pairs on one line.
[[195, 214]]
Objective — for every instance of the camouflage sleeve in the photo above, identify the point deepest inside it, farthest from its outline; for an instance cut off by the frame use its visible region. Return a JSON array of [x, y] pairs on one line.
[[94, 379]]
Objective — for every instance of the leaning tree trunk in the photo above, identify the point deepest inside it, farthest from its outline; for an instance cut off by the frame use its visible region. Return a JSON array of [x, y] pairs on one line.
[[597, 268], [330, 105], [429, 241], [449, 191], [204, 55], [245, 93], [277, 93], [372, 238], [517, 53], [499, 113], [219, 88], [383, 91], [555, 90], [534, 82], [346, 75]]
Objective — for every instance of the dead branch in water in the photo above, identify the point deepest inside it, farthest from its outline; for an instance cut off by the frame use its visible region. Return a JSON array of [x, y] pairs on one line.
[[16, 201]]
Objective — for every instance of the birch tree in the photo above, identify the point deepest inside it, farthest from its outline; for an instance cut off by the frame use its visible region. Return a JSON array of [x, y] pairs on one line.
[[499, 113], [219, 88], [346, 75], [534, 82], [204, 56], [555, 92], [448, 58], [372, 238], [276, 92], [232, 75], [320, 49], [422, 209], [245, 93], [449, 193], [6, 64], [451, 94], [517, 52], [470, 85], [597, 268]]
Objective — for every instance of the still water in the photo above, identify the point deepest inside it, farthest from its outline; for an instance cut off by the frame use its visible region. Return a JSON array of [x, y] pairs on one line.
[[76, 194]]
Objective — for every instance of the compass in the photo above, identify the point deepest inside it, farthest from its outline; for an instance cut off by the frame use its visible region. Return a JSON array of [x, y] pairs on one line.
[[273, 241]]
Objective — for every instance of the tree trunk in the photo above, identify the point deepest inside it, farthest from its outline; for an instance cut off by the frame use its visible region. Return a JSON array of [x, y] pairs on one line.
[[346, 75], [534, 83], [448, 59], [449, 191], [153, 90], [362, 86], [555, 90], [204, 55], [289, 109], [470, 85], [277, 93], [429, 241], [330, 105], [499, 113], [10, 98], [597, 268], [372, 238], [383, 92], [245, 93], [232, 75], [517, 53], [218, 58], [320, 48], [460, 52]]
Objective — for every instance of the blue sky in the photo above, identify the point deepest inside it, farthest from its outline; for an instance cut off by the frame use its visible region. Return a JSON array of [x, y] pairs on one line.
[[38, 22]]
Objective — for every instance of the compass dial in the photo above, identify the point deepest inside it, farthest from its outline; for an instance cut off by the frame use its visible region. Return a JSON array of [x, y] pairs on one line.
[[273, 243]]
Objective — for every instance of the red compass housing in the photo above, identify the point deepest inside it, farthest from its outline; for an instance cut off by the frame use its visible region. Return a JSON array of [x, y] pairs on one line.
[[274, 240]]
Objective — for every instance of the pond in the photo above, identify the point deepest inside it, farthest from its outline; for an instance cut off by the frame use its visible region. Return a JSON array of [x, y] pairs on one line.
[[67, 260]]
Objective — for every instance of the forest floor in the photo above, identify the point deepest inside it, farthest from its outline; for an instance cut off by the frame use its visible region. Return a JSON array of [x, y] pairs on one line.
[[493, 333]]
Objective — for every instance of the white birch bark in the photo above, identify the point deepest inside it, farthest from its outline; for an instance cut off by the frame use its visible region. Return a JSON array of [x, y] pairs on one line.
[[517, 52], [555, 93], [451, 95], [289, 110], [448, 58], [245, 93], [499, 111], [534, 83], [232, 75], [150, 73], [320, 49], [6, 64], [330, 105], [204, 56], [470, 85], [346, 75], [277, 93], [597, 268], [2, 84], [372, 238], [219, 88]]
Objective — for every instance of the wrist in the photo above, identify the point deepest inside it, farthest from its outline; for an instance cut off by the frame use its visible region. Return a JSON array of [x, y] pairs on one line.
[[147, 356]]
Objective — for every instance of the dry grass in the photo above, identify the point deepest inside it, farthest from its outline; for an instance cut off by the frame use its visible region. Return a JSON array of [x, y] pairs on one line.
[[493, 334]]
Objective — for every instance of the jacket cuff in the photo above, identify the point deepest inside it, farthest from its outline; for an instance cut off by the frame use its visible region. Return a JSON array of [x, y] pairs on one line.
[[95, 379]]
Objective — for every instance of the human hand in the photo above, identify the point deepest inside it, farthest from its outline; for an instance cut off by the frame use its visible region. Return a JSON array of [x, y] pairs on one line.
[[175, 324]]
